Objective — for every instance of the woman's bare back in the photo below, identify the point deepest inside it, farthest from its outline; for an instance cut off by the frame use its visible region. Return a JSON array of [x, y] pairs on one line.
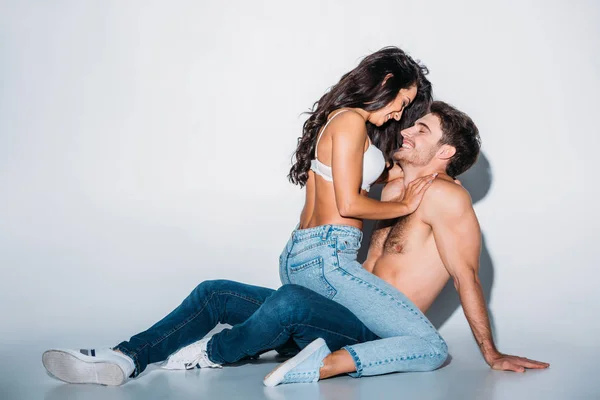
[[320, 207]]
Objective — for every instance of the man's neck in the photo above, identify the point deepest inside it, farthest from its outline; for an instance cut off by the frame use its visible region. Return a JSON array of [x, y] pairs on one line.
[[411, 173]]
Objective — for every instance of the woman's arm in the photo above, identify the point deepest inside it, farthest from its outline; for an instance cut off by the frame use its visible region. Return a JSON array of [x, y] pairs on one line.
[[348, 139], [392, 191]]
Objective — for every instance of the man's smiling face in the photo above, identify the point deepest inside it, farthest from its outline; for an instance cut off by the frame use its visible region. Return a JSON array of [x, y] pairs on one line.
[[420, 142]]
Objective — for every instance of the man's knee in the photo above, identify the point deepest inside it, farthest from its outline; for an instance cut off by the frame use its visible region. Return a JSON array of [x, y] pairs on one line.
[[207, 288], [290, 303]]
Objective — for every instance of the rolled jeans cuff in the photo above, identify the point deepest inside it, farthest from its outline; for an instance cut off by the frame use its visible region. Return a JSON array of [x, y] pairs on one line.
[[357, 363], [131, 355], [209, 353]]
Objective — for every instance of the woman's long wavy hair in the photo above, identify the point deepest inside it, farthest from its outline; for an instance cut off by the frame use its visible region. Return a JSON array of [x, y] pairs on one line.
[[362, 88]]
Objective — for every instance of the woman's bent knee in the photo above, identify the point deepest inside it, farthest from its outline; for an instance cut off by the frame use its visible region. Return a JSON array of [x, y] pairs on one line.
[[439, 357]]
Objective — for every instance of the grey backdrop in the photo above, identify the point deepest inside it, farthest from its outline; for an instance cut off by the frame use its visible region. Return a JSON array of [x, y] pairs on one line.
[[144, 147]]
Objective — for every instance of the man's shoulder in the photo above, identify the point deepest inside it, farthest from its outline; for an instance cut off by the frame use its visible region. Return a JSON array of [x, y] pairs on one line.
[[445, 195]]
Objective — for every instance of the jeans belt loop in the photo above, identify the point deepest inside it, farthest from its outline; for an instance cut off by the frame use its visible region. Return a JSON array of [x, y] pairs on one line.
[[325, 232]]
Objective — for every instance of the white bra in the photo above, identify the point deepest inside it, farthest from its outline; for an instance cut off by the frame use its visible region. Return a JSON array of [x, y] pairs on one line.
[[373, 162]]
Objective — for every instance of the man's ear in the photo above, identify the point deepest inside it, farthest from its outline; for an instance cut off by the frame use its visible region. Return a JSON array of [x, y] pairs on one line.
[[388, 76], [446, 152]]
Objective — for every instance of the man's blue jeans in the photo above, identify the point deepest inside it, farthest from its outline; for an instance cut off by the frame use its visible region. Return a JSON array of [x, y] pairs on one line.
[[263, 319]]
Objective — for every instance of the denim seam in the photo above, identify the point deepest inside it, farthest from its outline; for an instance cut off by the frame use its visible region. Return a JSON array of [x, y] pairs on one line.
[[269, 345], [284, 267], [331, 290], [337, 256], [399, 302], [406, 358], [191, 318], [209, 351], [311, 247], [328, 331], [346, 250], [303, 266], [318, 231], [337, 265], [304, 236], [247, 351]]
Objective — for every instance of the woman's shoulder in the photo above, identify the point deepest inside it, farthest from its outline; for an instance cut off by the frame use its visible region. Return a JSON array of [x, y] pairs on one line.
[[347, 121]]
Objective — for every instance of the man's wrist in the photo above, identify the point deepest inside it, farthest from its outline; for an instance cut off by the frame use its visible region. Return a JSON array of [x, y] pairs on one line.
[[404, 208], [489, 351]]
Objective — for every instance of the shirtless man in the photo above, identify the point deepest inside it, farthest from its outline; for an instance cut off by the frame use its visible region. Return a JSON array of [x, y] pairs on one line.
[[416, 254]]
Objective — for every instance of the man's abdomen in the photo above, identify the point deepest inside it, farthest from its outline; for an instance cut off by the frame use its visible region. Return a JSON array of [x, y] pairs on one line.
[[419, 277]]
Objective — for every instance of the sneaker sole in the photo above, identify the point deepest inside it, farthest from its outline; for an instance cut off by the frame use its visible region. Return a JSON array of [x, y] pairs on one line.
[[276, 376], [75, 369]]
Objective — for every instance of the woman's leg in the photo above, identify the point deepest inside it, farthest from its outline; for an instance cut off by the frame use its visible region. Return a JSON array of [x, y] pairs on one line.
[[324, 259], [410, 342], [210, 303]]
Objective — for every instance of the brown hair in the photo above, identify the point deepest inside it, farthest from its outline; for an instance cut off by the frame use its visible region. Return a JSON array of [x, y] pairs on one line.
[[460, 132], [362, 88]]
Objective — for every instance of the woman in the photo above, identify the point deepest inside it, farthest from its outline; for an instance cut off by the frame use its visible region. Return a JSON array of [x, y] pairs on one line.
[[337, 162], [363, 109]]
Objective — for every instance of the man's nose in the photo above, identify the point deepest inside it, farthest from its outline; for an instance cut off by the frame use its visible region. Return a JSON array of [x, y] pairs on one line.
[[408, 132]]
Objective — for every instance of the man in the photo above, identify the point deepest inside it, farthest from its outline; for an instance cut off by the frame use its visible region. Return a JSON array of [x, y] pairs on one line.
[[417, 254]]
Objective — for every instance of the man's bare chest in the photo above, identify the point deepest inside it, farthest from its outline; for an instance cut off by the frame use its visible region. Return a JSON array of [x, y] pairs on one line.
[[401, 235]]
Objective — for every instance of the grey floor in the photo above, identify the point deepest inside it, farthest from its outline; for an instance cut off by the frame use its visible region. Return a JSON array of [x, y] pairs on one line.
[[572, 375]]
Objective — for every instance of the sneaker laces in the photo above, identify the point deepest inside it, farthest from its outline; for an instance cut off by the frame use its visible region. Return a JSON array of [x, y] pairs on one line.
[[185, 356], [192, 356], [202, 361]]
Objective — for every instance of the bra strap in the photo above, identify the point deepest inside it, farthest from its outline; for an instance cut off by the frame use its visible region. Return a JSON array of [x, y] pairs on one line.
[[323, 130]]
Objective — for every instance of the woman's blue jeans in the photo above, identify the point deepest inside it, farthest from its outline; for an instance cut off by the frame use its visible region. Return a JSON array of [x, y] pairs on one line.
[[324, 259], [263, 319]]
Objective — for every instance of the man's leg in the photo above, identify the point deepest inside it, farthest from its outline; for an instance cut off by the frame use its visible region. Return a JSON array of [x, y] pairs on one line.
[[291, 312], [210, 303]]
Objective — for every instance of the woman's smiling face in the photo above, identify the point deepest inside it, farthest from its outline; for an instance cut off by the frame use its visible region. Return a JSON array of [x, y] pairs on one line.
[[395, 108]]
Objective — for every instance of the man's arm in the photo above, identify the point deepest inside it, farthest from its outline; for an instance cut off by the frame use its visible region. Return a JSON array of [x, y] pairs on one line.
[[447, 208]]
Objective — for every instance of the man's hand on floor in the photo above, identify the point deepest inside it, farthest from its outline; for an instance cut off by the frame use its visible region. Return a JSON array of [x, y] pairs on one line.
[[504, 362]]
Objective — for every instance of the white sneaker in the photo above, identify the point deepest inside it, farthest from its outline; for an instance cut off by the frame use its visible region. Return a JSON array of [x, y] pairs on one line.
[[190, 357], [101, 366], [304, 367]]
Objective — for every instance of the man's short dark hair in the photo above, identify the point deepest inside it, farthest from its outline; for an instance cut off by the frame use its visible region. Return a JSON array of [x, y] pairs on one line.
[[460, 132]]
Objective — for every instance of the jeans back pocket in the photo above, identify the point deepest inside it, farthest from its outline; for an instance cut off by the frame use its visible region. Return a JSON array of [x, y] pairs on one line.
[[310, 274]]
